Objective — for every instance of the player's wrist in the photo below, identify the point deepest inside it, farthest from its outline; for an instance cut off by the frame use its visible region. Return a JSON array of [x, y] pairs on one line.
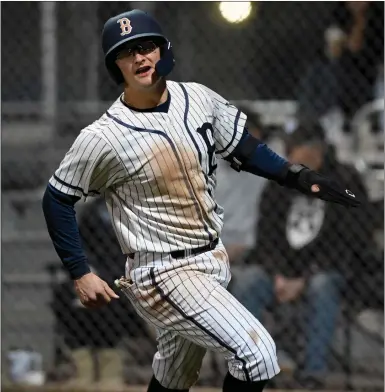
[[79, 269], [291, 176]]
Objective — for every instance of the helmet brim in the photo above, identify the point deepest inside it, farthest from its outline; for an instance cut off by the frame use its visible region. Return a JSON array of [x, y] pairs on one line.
[[137, 37]]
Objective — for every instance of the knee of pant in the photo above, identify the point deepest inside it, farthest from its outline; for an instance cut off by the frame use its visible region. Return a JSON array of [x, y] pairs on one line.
[[325, 284], [258, 361]]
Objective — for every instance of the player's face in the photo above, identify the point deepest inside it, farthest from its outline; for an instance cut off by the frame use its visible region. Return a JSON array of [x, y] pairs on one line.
[[137, 64]]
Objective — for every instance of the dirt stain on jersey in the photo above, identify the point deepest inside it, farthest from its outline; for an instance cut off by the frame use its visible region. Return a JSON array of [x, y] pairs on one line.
[[254, 336], [221, 255], [180, 184]]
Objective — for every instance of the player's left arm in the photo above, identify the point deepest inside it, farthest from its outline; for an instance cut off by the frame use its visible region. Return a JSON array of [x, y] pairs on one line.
[[234, 144], [253, 156]]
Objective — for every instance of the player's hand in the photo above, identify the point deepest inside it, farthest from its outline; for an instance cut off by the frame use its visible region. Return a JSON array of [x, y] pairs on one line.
[[288, 289], [314, 184], [93, 292]]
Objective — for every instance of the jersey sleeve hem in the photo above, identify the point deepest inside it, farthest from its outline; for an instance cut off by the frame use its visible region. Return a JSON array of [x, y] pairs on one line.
[[70, 189], [224, 150], [239, 126]]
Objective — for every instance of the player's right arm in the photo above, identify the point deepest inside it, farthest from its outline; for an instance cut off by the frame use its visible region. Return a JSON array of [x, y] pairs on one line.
[[88, 168]]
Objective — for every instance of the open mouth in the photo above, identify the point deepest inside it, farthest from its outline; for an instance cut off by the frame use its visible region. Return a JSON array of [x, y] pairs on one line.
[[142, 70]]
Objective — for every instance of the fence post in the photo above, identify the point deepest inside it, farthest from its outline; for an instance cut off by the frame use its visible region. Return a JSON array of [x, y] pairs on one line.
[[48, 60]]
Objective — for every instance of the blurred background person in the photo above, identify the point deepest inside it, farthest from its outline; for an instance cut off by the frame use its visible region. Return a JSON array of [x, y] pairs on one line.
[[344, 72], [318, 87], [306, 251], [362, 26]]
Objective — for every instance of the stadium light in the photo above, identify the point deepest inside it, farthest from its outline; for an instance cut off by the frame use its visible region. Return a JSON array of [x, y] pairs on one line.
[[235, 11]]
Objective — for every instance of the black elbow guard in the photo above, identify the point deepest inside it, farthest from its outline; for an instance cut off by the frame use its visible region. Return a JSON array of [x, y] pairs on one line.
[[243, 159], [243, 153]]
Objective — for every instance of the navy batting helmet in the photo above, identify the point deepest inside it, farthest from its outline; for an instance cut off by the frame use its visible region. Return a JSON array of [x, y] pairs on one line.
[[130, 26]]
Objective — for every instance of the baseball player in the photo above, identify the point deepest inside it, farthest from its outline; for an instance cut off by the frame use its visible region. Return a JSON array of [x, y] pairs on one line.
[[153, 156]]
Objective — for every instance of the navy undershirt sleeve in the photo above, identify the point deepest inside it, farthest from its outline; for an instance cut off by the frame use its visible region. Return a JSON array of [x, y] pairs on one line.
[[262, 160], [60, 217]]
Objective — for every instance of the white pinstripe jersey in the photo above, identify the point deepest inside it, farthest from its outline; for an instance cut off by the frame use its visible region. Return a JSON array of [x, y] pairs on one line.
[[156, 170]]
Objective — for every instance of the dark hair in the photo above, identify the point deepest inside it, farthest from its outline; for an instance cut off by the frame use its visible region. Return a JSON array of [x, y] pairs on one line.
[[305, 132], [312, 132]]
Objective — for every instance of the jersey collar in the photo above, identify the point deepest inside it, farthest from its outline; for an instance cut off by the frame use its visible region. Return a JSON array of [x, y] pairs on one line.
[[163, 108]]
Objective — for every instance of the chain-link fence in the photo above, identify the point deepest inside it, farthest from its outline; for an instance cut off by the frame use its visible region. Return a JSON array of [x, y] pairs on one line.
[[313, 273]]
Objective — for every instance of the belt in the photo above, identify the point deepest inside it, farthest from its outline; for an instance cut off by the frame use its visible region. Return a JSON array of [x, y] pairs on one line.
[[177, 254]]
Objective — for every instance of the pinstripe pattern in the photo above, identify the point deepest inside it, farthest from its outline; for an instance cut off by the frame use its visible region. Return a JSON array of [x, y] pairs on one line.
[[187, 303], [152, 169], [157, 173]]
